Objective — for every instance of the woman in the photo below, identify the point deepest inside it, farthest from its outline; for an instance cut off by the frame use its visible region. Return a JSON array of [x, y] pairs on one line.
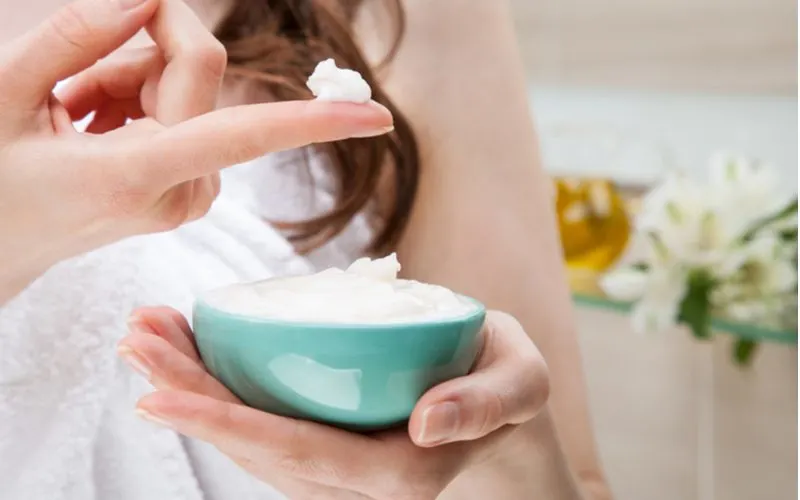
[[65, 384]]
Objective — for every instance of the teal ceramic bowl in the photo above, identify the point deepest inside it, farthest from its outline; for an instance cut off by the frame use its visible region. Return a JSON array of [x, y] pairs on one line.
[[360, 377]]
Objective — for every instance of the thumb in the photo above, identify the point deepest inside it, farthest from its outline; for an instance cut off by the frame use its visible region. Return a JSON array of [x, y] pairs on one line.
[[509, 386], [71, 40]]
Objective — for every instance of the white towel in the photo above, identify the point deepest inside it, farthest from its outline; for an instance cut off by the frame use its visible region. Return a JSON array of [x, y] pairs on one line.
[[67, 427]]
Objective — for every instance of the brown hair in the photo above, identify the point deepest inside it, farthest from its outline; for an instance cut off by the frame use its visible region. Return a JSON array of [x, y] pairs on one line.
[[278, 43]]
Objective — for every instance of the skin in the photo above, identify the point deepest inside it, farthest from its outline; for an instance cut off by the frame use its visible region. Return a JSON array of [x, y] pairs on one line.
[[482, 183], [445, 241], [63, 193], [506, 445], [308, 460]]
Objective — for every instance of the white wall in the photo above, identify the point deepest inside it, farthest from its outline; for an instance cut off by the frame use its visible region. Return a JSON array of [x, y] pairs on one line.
[[660, 130], [694, 45]]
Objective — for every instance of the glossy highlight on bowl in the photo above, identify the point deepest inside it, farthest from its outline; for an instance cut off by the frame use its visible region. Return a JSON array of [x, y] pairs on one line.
[[361, 377]]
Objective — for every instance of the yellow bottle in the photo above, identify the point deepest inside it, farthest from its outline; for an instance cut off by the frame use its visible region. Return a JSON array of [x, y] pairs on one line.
[[593, 223]]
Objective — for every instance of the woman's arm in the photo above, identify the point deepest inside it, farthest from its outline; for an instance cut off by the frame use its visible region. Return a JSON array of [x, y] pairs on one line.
[[483, 222]]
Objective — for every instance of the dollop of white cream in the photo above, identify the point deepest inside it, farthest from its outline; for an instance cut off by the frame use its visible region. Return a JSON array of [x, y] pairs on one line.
[[330, 83], [368, 292]]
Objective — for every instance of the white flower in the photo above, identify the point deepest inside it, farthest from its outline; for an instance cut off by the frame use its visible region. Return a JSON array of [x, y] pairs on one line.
[[697, 224], [659, 293], [626, 284], [766, 267], [683, 225], [714, 231], [763, 282], [658, 308], [746, 190]]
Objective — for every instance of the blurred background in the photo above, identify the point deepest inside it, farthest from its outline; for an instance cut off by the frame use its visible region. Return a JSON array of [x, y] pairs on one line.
[[623, 91]]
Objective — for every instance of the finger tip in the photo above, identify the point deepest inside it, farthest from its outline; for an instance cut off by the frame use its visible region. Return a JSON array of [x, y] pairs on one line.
[[372, 113], [156, 401], [144, 403], [136, 316], [130, 344], [123, 349], [379, 107]]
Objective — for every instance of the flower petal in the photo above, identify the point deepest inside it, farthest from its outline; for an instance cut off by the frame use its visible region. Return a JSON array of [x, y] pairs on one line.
[[626, 284]]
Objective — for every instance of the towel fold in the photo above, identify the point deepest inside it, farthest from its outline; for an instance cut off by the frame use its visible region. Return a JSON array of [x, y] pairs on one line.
[[67, 426]]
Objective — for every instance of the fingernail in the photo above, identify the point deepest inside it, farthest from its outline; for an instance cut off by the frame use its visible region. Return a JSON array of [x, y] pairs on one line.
[[379, 106], [374, 133], [439, 423], [130, 4], [146, 415], [135, 322], [137, 362]]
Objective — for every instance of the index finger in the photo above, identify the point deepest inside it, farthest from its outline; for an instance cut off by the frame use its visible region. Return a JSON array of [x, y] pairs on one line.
[[216, 140], [302, 449], [71, 40]]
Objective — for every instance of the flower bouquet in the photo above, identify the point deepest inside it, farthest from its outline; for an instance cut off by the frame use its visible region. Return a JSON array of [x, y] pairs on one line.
[[726, 247]]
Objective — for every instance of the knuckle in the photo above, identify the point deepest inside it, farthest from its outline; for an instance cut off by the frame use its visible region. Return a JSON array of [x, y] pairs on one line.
[[200, 210], [194, 380], [216, 186], [541, 387], [71, 25], [528, 364], [504, 320], [210, 59], [223, 417], [171, 219], [205, 194], [493, 409], [537, 394], [177, 208]]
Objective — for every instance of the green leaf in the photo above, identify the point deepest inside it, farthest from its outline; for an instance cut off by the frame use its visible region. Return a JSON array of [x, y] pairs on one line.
[[788, 235], [743, 351], [788, 210], [695, 308]]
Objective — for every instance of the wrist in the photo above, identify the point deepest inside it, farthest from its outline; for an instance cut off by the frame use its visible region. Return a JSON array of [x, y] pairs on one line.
[[528, 464], [594, 487], [540, 436]]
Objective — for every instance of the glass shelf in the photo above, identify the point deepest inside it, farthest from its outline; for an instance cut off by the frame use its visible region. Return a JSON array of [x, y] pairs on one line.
[[587, 154], [586, 293]]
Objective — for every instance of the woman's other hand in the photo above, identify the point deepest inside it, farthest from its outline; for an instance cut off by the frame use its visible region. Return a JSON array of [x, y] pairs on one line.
[[150, 157], [454, 426]]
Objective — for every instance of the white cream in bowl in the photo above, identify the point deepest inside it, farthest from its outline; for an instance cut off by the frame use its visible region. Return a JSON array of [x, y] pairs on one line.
[[368, 292]]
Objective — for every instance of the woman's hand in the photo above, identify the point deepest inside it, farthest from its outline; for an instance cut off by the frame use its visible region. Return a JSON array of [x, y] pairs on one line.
[[455, 426], [63, 192]]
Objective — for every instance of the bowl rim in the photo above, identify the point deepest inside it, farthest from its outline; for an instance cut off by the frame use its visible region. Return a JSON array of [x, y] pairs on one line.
[[478, 313]]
